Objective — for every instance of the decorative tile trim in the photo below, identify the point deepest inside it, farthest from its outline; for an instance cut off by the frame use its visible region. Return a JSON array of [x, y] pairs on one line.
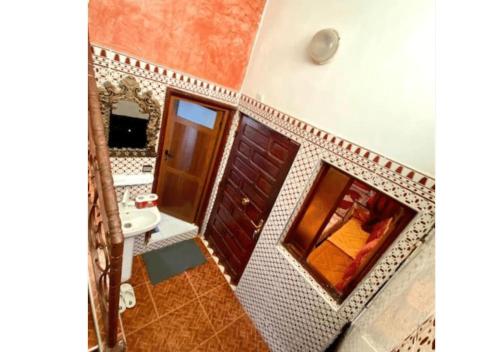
[[416, 181], [217, 261], [109, 58], [423, 339], [288, 306]]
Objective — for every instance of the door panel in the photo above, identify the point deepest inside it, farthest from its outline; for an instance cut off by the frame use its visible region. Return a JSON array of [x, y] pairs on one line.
[[192, 138], [181, 194], [189, 142], [256, 169]]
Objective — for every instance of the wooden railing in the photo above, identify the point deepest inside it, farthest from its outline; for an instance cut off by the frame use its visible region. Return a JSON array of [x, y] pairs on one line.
[[104, 227]]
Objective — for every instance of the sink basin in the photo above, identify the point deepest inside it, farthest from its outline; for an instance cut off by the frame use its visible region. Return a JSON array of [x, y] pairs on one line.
[[137, 221]]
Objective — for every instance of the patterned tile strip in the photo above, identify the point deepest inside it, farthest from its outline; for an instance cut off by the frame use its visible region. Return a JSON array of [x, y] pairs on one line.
[[423, 339]]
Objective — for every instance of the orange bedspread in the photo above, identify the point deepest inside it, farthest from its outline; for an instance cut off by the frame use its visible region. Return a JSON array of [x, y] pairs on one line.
[[329, 261], [334, 255], [350, 237]]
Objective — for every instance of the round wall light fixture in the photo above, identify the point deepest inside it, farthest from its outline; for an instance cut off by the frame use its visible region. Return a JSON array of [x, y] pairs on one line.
[[323, 45]]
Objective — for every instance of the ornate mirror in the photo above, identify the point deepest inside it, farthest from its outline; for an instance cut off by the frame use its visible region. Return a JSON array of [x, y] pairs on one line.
[[131, 119]]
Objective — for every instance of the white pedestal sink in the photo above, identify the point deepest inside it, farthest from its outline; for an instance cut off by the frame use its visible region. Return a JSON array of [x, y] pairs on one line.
[[135, 222]]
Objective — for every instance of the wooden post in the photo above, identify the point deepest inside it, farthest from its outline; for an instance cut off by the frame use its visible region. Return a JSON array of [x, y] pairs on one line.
[[108, 220]]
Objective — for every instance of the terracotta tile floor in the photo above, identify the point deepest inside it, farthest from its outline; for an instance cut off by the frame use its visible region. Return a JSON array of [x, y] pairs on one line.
[[193, 311]]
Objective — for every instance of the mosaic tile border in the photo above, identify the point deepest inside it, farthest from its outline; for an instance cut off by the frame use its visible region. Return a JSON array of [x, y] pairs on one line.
[[414, 180], [291, 310], [109, 58], [423, 339], [216, 259]]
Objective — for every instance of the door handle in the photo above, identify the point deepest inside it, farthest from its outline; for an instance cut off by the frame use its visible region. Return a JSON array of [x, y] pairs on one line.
[[167, 154], [258, 227], [245, 201]]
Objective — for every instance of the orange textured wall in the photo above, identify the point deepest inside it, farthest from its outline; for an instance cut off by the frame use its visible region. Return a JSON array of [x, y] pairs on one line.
[[211, 39]]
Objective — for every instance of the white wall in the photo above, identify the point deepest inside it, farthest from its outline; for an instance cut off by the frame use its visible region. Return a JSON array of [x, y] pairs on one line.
[[378, 91], [406, 302]]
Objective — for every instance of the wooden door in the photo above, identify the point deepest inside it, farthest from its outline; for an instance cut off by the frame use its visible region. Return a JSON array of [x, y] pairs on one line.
[[256, 169], [191, 141]]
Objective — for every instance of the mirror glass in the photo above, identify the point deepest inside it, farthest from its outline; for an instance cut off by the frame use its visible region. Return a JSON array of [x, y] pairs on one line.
[[131, 119], [127, 126]]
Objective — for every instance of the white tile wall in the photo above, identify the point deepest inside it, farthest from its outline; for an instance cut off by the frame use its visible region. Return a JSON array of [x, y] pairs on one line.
[[405, 302], [290, 309], [292, 312]]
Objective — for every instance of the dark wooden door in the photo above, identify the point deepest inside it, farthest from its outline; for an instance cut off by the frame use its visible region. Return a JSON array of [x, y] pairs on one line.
[[256, 169], [191, 141]]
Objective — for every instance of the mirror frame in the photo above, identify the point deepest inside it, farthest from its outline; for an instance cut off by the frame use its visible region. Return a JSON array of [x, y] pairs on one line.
[[130, 90]]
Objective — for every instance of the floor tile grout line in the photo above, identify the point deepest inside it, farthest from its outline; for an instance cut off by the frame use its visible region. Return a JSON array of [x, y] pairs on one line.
[[219, 341], [176, 309], [152, 298], [225, 326], [206, 315], [156, 320], [185, 303], [212, 289], [142, 327], [217, 262], [225, 283], [198, 294], [232, 323], [161, 316], [197, 297], [202, 342]]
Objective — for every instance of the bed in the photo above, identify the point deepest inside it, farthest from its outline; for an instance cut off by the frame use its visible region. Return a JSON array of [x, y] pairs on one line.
[[341, 257], [332, 257]]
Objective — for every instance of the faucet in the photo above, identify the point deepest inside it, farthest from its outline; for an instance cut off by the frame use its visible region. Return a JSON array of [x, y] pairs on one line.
[[125, 198]]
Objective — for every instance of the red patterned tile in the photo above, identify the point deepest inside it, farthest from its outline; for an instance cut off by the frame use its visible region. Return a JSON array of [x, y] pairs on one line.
[[205, 277], [142, 314], [222, 306], [172, 293], [423, 180], [148, 339], [186, 327]]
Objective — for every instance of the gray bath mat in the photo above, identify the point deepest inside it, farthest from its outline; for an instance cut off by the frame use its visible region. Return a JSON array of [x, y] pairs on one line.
[[172, 260]]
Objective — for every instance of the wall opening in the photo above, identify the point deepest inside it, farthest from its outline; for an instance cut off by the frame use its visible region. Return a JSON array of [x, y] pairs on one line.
[[344, 226]]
